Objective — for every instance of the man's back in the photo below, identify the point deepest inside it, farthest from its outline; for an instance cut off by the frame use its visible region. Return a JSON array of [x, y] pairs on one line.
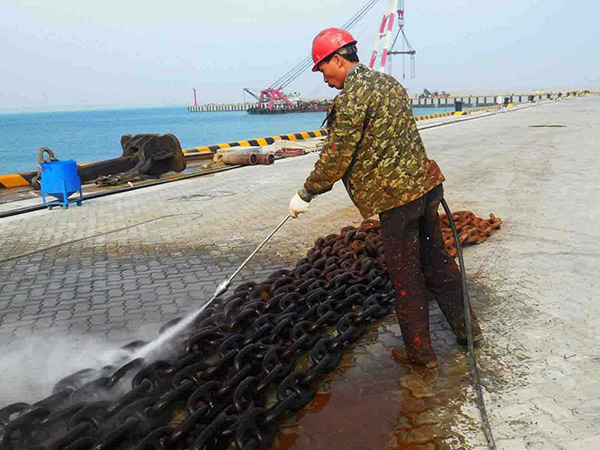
[[389, 164]]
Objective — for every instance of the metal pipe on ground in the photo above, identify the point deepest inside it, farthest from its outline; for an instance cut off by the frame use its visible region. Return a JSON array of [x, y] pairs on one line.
[[245, 159], [265, 158]]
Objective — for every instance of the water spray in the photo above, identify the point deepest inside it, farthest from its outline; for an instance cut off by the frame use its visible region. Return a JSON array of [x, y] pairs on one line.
[[222, 288]]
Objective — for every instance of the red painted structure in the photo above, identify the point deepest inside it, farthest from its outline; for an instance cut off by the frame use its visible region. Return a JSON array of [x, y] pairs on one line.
[[383, 39], [271, 94]]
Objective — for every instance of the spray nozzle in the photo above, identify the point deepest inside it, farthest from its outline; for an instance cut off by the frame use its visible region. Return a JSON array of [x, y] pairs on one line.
[[221, 288]]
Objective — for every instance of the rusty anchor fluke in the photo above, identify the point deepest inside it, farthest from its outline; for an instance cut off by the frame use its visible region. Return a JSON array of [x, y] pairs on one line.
[[151, 156], [144, 156]]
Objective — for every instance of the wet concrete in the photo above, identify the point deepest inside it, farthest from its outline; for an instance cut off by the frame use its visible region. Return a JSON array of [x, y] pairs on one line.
[[374, 401]]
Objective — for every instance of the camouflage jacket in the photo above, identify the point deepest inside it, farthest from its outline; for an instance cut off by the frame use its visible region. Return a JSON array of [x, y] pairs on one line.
[[374, 146]]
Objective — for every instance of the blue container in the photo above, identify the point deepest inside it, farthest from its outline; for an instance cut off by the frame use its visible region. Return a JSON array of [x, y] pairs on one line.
[[60, 180]]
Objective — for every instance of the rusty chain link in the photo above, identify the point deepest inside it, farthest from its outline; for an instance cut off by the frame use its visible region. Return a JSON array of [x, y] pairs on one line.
[[471, 229]]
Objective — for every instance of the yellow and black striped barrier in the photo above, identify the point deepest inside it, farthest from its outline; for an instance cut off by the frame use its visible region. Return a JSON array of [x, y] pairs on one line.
[[457, 113], [23, 179], [15, 180], [12, 180], [479, 109], [259, 142], [433, 116]]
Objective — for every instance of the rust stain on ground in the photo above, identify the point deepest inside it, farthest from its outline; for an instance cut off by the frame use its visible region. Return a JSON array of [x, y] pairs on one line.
[[372, 401]]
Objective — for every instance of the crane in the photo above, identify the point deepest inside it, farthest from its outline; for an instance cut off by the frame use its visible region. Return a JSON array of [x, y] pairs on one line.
[[270, 95], [274, 94], [383, 38]]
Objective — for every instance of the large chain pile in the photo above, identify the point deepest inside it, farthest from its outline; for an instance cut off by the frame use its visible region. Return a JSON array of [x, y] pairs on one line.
[[245, 363], [240, 370]]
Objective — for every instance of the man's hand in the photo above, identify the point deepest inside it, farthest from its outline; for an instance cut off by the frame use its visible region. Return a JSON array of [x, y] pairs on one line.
[[298, 206]]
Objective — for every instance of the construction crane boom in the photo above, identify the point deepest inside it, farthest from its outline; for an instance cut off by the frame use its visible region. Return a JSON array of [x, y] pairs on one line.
[[252, 94], [274, 92], [382, 48]]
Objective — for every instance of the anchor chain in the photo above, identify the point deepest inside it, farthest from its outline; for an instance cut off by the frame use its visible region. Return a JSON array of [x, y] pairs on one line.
[[236, 375], [471, 229]]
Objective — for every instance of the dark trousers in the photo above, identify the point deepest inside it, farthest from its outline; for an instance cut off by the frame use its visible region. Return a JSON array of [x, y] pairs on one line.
[[419, 266]]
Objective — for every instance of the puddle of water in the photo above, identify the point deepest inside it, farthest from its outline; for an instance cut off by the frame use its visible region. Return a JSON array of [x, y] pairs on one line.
[[371, 401]]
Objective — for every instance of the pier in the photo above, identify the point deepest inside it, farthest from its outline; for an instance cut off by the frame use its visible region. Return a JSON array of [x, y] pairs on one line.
[[77, 283], [474, 101], [218, 107]]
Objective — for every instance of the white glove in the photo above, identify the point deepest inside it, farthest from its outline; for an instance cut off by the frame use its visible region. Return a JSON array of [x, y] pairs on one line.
[[297, 206]]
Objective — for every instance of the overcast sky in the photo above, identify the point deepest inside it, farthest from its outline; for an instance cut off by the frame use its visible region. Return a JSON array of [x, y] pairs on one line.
[[79, 54]]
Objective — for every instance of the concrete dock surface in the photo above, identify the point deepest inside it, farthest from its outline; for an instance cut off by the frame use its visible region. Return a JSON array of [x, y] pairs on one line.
[[77, 284]]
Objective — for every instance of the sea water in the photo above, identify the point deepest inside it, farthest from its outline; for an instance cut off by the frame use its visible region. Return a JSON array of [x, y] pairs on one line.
[[87, 136]]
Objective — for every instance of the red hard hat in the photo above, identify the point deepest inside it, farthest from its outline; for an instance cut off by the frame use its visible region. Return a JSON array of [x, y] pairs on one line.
[[329, 41]]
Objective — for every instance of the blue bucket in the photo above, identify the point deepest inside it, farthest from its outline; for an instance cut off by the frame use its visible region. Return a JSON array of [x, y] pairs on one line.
[[60, 180]]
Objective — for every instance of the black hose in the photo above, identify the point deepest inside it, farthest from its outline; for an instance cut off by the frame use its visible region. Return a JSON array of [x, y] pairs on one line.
[[487, 429]]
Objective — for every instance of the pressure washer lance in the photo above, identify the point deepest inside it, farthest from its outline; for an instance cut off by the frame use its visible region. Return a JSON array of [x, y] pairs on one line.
[[487, 429], [222, 288]]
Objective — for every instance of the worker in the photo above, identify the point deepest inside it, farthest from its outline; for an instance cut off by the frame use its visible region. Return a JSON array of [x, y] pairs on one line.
[[373, 145]]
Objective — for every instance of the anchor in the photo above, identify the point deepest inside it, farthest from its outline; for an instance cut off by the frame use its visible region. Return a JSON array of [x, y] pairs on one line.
[[144, 156]]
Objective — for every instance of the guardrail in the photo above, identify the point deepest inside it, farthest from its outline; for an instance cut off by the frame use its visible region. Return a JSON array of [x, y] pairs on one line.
[[258, 142]]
